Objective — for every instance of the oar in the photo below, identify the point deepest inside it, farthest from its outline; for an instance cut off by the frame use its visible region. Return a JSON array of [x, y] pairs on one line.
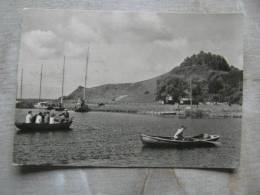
[[209, 142], [212, 142]]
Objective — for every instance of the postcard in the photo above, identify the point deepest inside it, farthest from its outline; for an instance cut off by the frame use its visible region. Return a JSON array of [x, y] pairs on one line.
[[129, 89]]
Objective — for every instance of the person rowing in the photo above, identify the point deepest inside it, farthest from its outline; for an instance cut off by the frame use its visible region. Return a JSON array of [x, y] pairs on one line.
[[179, 133]]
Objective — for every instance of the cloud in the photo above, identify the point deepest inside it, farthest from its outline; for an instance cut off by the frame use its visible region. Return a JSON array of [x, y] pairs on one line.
[[177, 43], [72, 49], [79, 31], [117, 27], [42, 44]]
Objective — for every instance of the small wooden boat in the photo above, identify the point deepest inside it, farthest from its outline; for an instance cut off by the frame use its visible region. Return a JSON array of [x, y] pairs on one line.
[[82, 109], [59, 109], [168, 113], [198, 140], [43, 127]]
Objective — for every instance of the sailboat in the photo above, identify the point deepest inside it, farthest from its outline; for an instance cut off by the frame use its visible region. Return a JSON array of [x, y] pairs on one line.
[[60, 106], [40, 104], [81, 106]]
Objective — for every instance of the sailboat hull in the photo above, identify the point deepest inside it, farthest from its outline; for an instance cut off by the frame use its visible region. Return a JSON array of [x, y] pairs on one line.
[[82, 109]]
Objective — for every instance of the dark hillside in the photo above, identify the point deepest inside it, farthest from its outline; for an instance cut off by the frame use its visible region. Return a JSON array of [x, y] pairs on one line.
[[213, 79]]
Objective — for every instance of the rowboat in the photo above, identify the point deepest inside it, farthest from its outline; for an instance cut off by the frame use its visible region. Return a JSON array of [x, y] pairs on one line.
[[43, 127], [199, 140]]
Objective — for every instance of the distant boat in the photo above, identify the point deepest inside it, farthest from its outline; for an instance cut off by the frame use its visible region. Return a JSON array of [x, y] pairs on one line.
[[199, 140], [41, 105], [59, 108], [81, 106], [82, 109]]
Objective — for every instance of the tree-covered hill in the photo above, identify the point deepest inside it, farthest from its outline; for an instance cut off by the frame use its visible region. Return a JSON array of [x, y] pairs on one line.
[[212, 78], [209, 76]]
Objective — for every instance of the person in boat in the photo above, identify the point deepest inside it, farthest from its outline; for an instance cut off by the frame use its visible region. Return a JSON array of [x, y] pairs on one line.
[[52, 118], [39, 118], [52, 112], [43, 116], [179, 133], [29, 116], [65, 116], [34, 118], [47, 117]]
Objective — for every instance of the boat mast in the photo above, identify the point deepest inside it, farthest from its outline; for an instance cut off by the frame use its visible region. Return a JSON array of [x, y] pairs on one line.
[[21, 85], [86, 72], [17, 84], [190, 91], [62, 84], [40, 92]]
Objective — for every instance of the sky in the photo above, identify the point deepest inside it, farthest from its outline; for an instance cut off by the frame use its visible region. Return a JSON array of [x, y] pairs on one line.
[[123, 46]]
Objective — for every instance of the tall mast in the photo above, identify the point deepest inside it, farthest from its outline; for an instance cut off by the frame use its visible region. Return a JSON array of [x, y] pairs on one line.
[[86, 72], [40, 92], [21, 85], [190, 91], [17, 84], [62, 84]]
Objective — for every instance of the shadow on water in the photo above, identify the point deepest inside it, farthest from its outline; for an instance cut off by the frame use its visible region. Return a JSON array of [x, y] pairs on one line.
[[42, 131], [148, 148]]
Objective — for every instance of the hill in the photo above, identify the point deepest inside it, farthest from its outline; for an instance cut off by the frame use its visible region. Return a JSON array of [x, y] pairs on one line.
[[213, 79], [139, 92]]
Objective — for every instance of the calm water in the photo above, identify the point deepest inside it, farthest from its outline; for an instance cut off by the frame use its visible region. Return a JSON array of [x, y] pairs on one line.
[[113, 139]]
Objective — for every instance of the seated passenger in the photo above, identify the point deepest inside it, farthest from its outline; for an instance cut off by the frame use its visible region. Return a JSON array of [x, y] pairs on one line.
[[65, 116], [62, 119], [52, 119], [34, 118], [28, 118], [43, 116], [39, 118], [47, 117]]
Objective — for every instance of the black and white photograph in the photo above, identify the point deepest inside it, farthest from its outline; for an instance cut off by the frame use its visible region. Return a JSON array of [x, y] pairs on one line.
[[129, 89]]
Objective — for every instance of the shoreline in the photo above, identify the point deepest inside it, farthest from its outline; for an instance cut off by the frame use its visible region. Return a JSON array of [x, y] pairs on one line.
[[180, 114], [181, 111]]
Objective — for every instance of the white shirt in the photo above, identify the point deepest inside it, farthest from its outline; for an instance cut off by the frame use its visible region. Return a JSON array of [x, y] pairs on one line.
[[52, 121], [179, 131], [38, 119], [28, 118]]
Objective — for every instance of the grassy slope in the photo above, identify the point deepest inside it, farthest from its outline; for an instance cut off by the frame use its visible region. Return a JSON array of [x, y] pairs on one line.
[[143, 91]]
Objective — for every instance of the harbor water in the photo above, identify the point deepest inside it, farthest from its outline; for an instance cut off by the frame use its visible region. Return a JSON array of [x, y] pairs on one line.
[[106, 139]]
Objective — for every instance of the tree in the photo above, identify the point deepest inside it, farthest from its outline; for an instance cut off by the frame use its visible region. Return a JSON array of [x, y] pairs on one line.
[[172, 86], [197, 92], [215, 86], [215, 62]]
